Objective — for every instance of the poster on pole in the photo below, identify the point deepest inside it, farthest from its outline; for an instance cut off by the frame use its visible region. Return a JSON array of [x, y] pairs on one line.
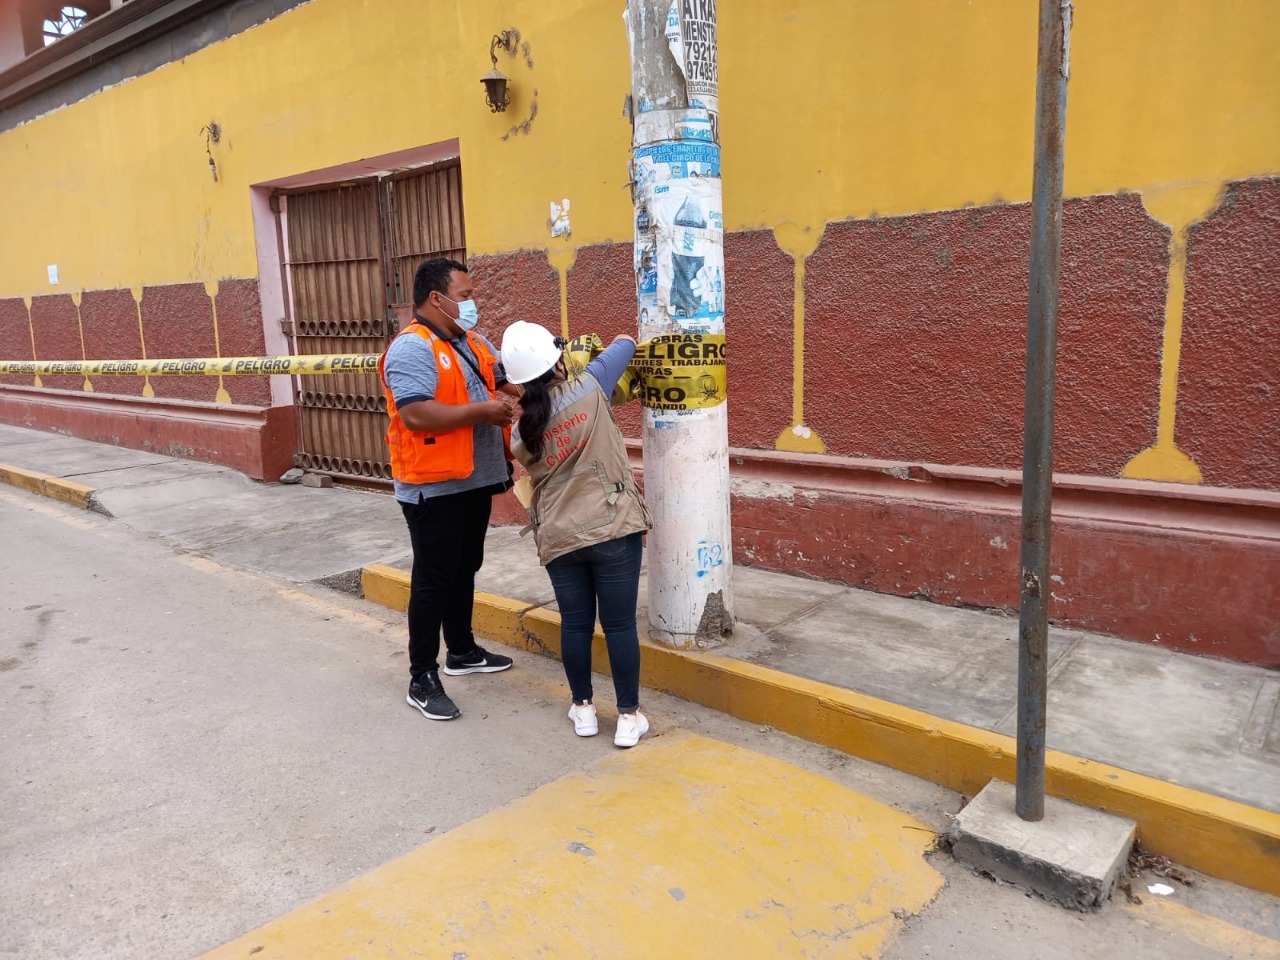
[[690, 252], [691, 35]]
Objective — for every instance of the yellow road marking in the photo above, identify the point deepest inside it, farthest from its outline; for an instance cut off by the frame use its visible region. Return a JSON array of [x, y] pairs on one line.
[[682, 847], [1209, 932]]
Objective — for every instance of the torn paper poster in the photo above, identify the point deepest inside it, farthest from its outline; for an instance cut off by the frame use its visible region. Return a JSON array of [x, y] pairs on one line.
[[692, 123], [560, 218], [675, 36], [687, 252], [701, 71], [679, 247], [676, 160], [691, 35]]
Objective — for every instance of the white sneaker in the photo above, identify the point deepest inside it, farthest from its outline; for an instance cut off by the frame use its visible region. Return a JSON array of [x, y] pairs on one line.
[[631, 727], [584, 720]]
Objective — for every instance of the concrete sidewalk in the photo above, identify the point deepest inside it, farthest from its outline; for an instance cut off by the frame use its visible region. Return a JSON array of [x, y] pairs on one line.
[[1208, 725]]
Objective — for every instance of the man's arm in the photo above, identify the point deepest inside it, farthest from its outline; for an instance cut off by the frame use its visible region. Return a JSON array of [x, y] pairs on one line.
[[432, 416], [500, 382], [411, 373]]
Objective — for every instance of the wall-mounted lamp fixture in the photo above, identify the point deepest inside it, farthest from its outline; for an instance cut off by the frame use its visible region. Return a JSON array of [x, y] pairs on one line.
[[496, 94], [212, 134]]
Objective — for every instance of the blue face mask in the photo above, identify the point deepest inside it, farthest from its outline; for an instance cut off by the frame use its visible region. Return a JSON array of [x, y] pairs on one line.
[[468, 313]]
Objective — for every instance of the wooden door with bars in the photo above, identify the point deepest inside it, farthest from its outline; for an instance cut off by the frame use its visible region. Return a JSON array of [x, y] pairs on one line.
[[338, 285], [425, 220], [353, 250]]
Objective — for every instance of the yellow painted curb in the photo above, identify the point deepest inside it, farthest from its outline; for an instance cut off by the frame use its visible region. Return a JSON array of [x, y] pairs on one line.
[[495, 617], [68, 491], [1222, 838], [386, 586], [26, 479]]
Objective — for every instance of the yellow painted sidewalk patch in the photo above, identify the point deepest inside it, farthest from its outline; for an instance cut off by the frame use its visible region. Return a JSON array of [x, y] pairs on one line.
[[683, 847]]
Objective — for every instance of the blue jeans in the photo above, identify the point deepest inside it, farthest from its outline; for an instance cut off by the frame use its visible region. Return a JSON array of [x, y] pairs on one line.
[[605, 576]]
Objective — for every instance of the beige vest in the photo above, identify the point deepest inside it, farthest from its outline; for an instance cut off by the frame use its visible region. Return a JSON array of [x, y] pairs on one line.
[[583, 489]]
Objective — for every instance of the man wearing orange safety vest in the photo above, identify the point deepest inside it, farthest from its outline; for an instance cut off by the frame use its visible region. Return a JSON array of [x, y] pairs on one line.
[[449, 439]]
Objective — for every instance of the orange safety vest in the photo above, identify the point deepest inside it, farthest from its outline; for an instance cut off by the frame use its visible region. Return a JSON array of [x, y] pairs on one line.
[[433, 457]]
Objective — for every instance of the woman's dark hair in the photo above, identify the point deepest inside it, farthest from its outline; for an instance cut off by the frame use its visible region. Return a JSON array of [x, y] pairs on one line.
[[536, 404]]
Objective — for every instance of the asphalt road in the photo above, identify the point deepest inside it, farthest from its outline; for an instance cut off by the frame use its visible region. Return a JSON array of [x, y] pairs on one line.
[[188, 751]]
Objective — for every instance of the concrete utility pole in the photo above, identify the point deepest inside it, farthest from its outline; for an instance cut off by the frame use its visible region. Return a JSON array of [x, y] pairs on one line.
[[1053, 69], [679, 263]]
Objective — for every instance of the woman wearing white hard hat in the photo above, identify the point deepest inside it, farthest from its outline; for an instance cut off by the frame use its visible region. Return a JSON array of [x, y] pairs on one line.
[[586, 513]]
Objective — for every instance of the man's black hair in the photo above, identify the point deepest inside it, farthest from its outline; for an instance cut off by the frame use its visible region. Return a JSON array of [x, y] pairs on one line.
[[434, 275]]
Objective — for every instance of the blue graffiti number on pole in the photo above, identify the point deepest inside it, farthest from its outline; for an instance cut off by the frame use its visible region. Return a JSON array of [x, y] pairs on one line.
[[710, 556]]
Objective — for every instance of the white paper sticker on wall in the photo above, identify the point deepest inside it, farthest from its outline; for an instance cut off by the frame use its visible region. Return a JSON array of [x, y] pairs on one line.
[[53, 274], [560, 218]]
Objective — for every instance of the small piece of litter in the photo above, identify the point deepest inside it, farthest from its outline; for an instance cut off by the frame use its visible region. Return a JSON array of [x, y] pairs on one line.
[[1160, 889]]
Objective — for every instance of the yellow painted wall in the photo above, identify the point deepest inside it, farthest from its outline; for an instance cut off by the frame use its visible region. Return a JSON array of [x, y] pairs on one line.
[[897, 108], [832, 109]]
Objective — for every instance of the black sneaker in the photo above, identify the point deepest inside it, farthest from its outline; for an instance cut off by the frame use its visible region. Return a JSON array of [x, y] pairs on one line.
[[429, 697], [477, 661]]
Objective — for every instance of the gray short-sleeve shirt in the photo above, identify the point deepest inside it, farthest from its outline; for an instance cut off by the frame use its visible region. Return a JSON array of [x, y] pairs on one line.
[[412, 376]]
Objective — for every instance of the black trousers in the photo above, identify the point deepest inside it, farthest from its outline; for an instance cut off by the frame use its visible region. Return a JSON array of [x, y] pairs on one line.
[[448, 548]]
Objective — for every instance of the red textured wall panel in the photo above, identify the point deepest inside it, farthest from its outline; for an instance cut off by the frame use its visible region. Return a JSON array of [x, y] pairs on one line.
[[240, 335], [760, 317], [917, 335], [177, 320], [110, 321], [1115, 261], [15, 336], [57, 336], [602, 292], [516, 286], [602, 299], [1229, 379]]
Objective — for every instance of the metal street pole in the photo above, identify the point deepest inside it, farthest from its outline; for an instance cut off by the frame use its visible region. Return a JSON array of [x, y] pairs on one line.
[[679, 264], [1052, 71]]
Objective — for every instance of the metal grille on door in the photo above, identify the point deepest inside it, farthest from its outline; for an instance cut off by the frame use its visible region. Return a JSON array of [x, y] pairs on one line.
[[339, 306], [426, 221], [353, 250]]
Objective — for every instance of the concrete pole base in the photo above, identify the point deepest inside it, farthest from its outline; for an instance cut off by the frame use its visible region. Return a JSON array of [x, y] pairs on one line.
[[1072, 857]]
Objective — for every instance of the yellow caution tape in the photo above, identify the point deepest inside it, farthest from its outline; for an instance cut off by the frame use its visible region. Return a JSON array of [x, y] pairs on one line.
[[681, 371], [193, 367], [580, 351], [671, 372]]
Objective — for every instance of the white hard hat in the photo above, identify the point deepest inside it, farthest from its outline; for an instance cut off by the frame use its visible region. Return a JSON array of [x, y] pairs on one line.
[[528, 351]]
